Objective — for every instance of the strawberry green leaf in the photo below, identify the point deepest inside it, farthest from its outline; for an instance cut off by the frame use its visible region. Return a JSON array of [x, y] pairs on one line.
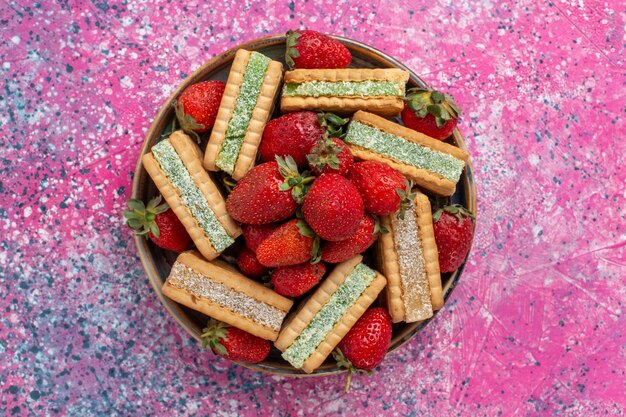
[[219, 348], [173, 126], [335, 120], [187, 123], [283, 167], [440, 105], [324, 153], [435, 110], [378, 227], [133, 223], [437, 96], [153, 203], [213, 334], [455, 209], [141, 217], [161, 209], [407, 196], [454, 109], [305, 229], [128, 215], [154, 229], [333, 124], [291, 50], [298, 184], [316, 250], [343, 362], [333, 163], [134, 204]]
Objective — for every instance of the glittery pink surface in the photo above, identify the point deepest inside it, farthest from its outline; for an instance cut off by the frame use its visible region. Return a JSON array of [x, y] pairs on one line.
[[536, 325]]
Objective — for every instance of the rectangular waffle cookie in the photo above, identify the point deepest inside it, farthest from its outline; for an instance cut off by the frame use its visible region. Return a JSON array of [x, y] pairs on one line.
[[218, 290], [409, 259], [175, 166], [344, 91], [311, 333], [246, 106], [432, 164]]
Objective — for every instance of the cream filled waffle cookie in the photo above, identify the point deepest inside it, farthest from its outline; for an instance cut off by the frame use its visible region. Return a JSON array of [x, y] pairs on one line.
[[218, 290], [246, 106], [430, 163], [379, 91], [320, 323], [175, 166], [409, 259]]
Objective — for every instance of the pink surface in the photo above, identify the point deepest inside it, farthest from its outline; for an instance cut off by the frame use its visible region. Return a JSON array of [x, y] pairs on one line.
[[536, 325]]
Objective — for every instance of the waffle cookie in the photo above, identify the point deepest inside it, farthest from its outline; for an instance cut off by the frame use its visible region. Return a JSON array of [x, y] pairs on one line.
[[220, 291], [175, 166], [311, 334], [409, 259], [245, 108], [430, 163], [379, 91]]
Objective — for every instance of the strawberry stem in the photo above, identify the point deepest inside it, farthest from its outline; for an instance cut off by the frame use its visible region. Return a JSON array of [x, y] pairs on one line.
[[299, 184], [407, 196], [213, 334], [333, 124], [291, 52], [343, 362], [307, 231], [324, 153], [455, 209], [423, 102], [379, 228], [316, 250], [141, 217], [187, 123]]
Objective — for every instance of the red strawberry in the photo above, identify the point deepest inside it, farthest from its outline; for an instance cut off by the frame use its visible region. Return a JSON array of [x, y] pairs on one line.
[[454, 231], [365, 235], [197, 106], [291, 134], [291, 243], [366, 344], [310, 49], [330, 155], [249, 265], [263, 196], [233, 343], [159, 223], [295, 280], [379, 186], [254, 234], [431, 112], [333, 207]]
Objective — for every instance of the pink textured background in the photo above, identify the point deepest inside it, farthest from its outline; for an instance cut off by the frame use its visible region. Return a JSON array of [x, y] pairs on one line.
[[536, 325]]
